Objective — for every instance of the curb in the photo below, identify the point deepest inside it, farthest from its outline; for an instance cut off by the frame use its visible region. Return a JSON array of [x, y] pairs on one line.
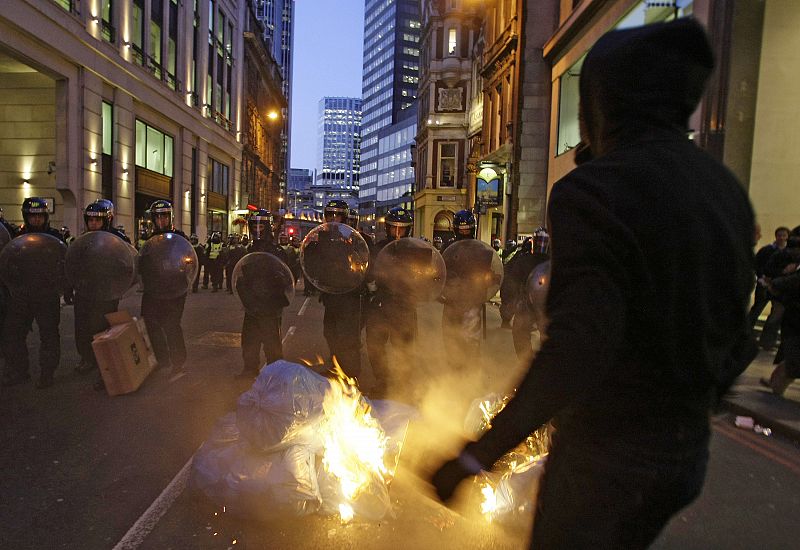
[[776, 426]]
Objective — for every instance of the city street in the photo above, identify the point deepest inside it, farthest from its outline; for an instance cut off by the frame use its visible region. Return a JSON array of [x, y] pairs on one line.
[[85, 470]]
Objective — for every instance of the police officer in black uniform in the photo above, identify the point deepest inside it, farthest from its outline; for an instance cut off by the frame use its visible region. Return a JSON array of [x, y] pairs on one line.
[[461, 320], [89, 313], [342, 320], [44, 308], [162, 316], [215, 260], [514, 289], [389, 316], [233, 254], [200, 250], [262, 329]]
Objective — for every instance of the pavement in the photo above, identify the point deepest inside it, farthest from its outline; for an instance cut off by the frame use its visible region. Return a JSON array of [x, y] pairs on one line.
[[749, 398]]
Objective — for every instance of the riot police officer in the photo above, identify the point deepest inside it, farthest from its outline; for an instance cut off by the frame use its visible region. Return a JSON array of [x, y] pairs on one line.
[[389, 316], [233, 253], [162, 316], [43, 307], [214, 260], [461, 319], [90, 313], [342, 319], [513, 292], [262, 330], [200, 250]]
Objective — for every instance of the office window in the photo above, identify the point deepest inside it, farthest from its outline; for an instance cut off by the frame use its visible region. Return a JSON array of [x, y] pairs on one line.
[[568, 99], [107, 30], [137, 38], [217, 177], [107, 115], [154, 149], [451, 42]]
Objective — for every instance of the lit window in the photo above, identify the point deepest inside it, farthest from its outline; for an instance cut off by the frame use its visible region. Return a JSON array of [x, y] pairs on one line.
[[451, 42], [447, 164]]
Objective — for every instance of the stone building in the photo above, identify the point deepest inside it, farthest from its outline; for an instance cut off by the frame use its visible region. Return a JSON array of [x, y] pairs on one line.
[[130, 100]]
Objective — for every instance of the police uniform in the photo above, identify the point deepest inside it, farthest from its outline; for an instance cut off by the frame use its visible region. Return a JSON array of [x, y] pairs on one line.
[[23, 310], [234, 253], [162, 317], [389, 317], [214, 260], [263, 330], [90, 319]]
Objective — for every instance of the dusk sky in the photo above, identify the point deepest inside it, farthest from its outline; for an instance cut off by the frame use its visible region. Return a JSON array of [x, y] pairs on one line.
[[328, 41]]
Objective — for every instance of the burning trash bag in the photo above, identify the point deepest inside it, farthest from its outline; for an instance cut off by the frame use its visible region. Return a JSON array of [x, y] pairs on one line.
[[334, 257], [100, 266], [282, 407], [248, 482], [300, 443], [508, 492]]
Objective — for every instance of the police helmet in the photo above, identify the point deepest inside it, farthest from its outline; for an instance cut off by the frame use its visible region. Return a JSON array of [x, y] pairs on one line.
[[35, 205], [401, 218], [464, 224], [260, 225], [158, 208], [438, 242], [216, 237], [101, 208], [336, 211], [352, 218], [541, 241]]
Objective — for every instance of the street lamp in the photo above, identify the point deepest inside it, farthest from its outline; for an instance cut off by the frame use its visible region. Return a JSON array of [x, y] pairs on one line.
[[273, 115]]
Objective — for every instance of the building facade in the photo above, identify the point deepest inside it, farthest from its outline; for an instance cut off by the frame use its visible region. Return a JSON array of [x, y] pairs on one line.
[[339, 148], [263, 158], [277, 18], [450, 30], [299, 193], [395, 181], [131, 100], [389, 82], [747, 118]]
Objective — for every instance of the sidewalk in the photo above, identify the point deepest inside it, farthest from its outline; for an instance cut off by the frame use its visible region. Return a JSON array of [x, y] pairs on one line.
[[749, 398]]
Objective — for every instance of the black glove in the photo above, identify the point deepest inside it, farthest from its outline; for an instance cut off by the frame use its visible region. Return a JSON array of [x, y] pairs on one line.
[[453, 472]]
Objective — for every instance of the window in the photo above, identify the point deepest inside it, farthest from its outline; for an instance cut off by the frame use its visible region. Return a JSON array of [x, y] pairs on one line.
[[172, 42], [156, 24], [447, 164], [217, 177], [106, 13], [154, 149], [137, 40], [107, 115], [568, 99], [451, 42]]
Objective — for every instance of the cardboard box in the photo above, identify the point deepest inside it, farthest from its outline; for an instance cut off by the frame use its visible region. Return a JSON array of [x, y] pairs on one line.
[[123, 353]]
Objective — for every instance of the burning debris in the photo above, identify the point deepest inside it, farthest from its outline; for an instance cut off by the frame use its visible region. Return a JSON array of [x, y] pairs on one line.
[[508, 492], [300, 443]]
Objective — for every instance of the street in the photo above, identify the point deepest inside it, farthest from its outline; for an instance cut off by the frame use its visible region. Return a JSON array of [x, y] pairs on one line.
[[85, 470]]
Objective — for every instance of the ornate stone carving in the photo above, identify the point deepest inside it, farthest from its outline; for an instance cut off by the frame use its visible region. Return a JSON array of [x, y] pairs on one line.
[[451, 99]]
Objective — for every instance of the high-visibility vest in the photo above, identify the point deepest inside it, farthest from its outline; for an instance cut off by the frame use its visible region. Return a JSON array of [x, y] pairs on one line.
[[216, 248]]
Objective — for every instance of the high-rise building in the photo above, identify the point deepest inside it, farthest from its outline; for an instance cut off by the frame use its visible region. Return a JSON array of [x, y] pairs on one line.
[[299, 194], [339, 146], [389, 82], [277, 16]]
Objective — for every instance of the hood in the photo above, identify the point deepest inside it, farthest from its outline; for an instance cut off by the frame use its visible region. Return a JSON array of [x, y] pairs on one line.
[[643, 77]]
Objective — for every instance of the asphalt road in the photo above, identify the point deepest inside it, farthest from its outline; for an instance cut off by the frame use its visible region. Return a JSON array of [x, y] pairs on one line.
[[83, 470]]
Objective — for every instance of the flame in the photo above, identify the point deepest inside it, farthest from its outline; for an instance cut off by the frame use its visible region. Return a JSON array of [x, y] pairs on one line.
[[354, 444], [489, 504]]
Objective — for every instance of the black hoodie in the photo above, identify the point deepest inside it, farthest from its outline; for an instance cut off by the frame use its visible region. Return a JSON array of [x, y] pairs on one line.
[[651, 261]]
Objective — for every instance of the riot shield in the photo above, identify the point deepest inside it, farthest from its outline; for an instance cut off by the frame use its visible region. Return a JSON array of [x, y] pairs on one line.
[[5, 236], [334, 257], [263, 283], [32, 265], [100, 266], [537, 286], [474, 272], [411, 268], [168, 265]]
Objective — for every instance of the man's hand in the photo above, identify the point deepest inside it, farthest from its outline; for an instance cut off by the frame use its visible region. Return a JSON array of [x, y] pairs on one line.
[[453, 472]]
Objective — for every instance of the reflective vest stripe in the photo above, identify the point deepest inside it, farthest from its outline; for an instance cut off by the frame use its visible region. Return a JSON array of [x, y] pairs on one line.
[[216, 248]]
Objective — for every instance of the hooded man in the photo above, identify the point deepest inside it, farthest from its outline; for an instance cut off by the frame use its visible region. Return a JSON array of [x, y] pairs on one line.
[[652, 269]]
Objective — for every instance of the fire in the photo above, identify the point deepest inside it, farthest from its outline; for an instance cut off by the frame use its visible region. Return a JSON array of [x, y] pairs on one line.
[[354, 444], [489, 504]]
